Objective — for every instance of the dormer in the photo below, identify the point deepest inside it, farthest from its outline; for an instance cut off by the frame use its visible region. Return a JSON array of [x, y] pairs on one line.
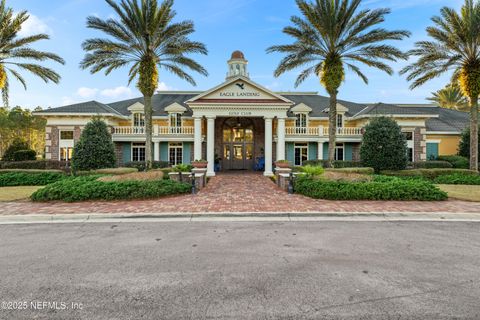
[[138, 114], [341, 110], [175, 112], [301, 112]]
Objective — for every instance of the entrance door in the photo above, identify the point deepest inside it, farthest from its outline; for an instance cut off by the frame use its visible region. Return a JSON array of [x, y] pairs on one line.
[[238, 144]]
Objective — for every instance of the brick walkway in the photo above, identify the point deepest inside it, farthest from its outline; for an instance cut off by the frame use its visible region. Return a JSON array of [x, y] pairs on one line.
[[237, 192]]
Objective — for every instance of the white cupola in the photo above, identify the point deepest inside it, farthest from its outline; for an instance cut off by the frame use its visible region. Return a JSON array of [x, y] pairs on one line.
[[237, 66]]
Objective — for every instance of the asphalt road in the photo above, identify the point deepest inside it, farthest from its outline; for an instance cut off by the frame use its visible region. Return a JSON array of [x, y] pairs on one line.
[[238, 270]]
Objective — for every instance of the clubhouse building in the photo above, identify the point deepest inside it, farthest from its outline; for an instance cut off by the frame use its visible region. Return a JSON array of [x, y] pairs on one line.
[[239, 123]]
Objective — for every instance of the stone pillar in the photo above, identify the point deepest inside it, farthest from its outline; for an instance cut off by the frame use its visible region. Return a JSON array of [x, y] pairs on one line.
[[281, 139], [268, 147], [320, 150], [211, 146], [197, 155], [156, 151]]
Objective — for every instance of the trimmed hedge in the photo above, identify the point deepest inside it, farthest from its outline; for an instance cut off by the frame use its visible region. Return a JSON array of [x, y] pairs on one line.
[[15, 178], [89, 188], [25, 155], [428, 173], [336, 163], [393, 189], [458, 178], [431, 164], [37, 164], [141, 165], [457, 162]]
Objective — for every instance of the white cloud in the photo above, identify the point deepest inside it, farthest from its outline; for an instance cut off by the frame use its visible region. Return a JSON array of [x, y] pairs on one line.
[[34, 25], [87, 93], [118, 92], [67, 101], [162, 86]]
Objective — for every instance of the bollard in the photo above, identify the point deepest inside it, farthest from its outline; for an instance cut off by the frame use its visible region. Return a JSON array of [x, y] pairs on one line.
[[194, 184], [290, 184]]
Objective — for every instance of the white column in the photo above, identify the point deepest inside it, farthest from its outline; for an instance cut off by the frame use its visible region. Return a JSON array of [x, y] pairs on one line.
[[197, 154], [320, 150], [280, 139], [268, 146], [156, 151], [211, 146]]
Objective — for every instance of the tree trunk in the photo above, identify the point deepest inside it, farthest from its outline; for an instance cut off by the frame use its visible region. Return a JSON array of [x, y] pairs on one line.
[[474, 133], [332, 128], [148, 132]]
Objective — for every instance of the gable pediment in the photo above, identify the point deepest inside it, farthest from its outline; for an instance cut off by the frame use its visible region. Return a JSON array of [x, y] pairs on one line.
[[175, 108], [136, 107], [301, 108], [242, 90]]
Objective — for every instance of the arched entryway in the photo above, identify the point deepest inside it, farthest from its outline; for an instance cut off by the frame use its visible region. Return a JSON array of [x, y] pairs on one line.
[[238, 144]]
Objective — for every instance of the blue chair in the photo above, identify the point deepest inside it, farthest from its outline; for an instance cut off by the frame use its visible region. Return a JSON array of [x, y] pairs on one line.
[[260, 164]]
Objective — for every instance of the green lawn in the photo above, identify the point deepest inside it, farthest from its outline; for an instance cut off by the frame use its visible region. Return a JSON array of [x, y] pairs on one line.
[[16, 193], [462, 192]]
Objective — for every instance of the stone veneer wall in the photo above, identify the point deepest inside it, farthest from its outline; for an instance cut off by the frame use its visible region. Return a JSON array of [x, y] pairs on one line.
[[119, 153], [420, 144], [52, 140]]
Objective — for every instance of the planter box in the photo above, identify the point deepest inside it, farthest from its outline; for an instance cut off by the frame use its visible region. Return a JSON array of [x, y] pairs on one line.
[[199, 165]]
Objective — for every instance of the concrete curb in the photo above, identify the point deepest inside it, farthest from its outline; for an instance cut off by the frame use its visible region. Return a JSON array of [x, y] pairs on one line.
[[238, 216]]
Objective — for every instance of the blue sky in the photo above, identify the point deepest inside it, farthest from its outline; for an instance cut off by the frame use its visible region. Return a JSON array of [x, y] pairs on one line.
[[224, 26]]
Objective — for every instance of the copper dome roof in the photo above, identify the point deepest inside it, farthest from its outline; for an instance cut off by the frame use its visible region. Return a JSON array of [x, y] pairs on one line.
[[238, 55]]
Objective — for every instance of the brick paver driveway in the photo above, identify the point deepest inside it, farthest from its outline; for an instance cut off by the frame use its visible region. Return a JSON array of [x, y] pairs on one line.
[[238, 192]]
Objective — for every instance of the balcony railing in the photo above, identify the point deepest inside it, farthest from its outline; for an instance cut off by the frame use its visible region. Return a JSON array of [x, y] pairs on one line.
[[157, 131], [323, 131]]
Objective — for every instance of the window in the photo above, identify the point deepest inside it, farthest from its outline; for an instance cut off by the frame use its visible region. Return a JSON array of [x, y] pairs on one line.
[[340, 152], [175, 122], [301, 153], [175, 151], [409, 136], [138, 152], [138, 119], [66, 135], [66, 154], [339, 120], [301, 123]]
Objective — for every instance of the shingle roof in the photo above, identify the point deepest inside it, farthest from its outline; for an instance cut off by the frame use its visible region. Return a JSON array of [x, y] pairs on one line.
[[447, 120]]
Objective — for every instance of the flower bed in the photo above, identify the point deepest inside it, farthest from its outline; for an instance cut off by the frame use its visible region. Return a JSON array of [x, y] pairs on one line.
[[89, 188]]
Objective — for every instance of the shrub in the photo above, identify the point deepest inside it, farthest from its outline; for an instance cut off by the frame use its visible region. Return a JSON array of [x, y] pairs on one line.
[[335, 164], [384, 146], [89, 188], [17, 145], [311, 171], [458, 178], [431, 164], [142, 167], [109, 171], [38, 164], [15, 178], [346, 176], [464, 146], [25, 155], [396, 189], [353, 170], [95, 149], [182, 168], [458, 162], [428, 173]]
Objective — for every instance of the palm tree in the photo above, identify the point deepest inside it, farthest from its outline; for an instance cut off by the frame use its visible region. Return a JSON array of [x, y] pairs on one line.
[[14, 50], [455, 46], [145, 39], [333, 36], [450, 97]]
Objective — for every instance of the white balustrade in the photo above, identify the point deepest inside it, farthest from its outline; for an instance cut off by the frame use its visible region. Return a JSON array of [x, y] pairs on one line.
[[323, 131], [157, 130]]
